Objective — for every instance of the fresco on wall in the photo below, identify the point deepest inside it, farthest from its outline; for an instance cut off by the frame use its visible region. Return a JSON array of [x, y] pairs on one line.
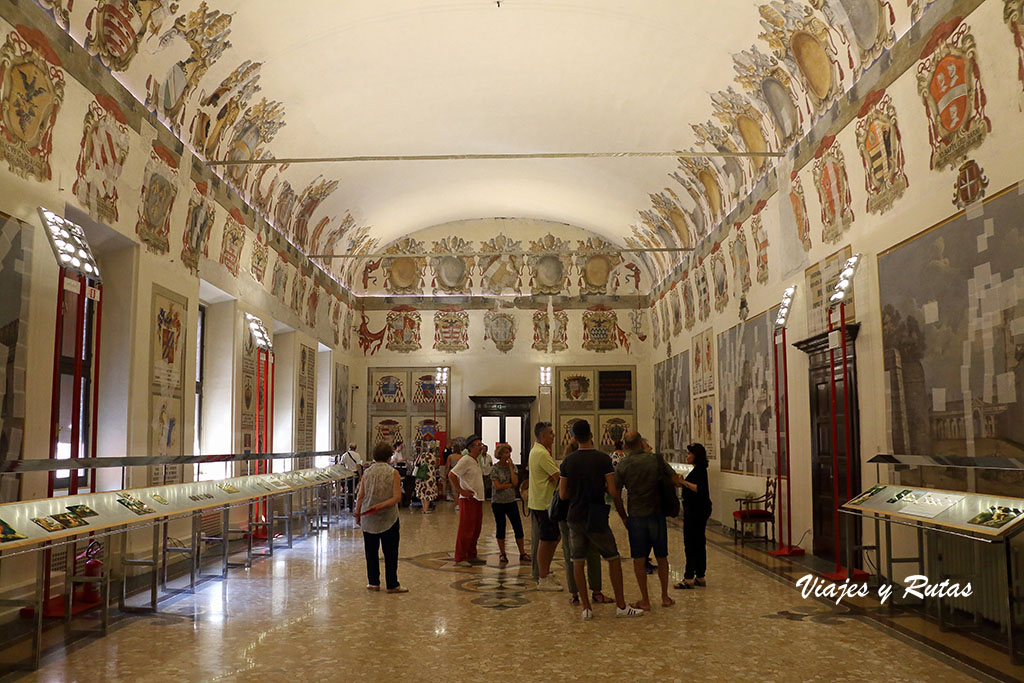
[[158, 193], [117, 27], [403, 273], [689, 305], [232, 242], [771, 87], [833, 187], [104, 149], [502, 270], [389, 387], [799, 202], [451, 330], [369, 341], [198, 223], [500, 328], [565, 432], [655, 326], [703, 362], [259, 124], [299, 285], [259, 257], [672, 406], [306, 205], [425, 393], [952, 303], [703, 291], [312, 302], [612, 428], [970, 184], [550, 333], [740, 260], [746, 399], [340, 437], [720, 277], [760, 239], [638, 324], [601, 331], [217, 113], [1013, 14], [346, 329], [549, 265], [31, 93], [881, 150], [15, 265], [595, 270], [389, 430], [949, 82], [279, 278], [676, 309], [403, 326], [452, 266], [867, 26], [204, 33]]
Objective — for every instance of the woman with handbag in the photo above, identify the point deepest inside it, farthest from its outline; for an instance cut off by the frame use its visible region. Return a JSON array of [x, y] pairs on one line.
[[696, 511], [426, 479]]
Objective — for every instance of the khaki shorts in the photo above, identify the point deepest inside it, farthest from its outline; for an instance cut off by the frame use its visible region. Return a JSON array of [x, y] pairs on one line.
[[581, 540]]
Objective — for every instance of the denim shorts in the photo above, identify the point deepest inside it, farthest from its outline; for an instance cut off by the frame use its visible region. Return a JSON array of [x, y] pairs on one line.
[[581, 540], [646, 534]]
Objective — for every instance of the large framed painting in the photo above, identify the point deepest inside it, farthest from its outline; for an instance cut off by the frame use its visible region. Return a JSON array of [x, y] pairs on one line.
[[341, 402], [611, 428], [952, 301], [576, 389], [388, 429], [564, 434], [389, 389], [672, 406]]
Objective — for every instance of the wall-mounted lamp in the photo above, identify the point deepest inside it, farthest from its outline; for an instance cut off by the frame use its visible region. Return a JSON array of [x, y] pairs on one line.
[[441, 376], [787, 303], [70, 247], [259, 332], [842, 287], [545, 375]]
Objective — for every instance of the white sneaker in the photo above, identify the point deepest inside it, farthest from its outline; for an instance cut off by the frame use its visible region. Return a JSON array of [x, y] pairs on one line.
[[628, 611], [463, 563], [549, 583], [587, 615]]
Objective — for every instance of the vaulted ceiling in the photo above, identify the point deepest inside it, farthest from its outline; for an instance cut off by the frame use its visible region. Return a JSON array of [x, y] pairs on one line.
[[239, 79]]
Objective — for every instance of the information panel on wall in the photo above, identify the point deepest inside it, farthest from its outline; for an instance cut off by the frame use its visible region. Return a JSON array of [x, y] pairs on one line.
[[305, 398], [168, 327]]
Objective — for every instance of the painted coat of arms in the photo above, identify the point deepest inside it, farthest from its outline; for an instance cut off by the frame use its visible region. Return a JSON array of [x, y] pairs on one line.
[[501, 266], [404, 270], [601, 331], [740, 260], [311, 306], [233, 241], [803, 42], [31, 92], [595, 262], [279, 278], [101, 159], [451, 330], [549, 265], [259, 124], [799, 202], [500, 328], [881, 150], [577, 387], [299, 284], [259, 258], [949, 81], [655, 326], [403, 326], [666, 318], [217, 112], [833, 190], [760, 238], [116, 27], [1013, 14], [550, 332], [452, 266], [308, 202], [970, 184], [676, 309], [703, 291], [346, 329], [720, 277], [158, 193], [198, 223], [771, 87], [389, 389], [689, 305]]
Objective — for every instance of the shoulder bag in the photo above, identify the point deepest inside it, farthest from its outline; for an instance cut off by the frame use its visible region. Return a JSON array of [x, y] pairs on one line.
[[669, 504]]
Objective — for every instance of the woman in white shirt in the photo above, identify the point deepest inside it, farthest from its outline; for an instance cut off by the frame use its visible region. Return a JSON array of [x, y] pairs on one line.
[[380, 491]]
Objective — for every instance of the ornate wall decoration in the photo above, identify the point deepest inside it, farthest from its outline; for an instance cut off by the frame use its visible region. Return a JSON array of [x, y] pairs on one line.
[[299, 285], [158, 192], [700, 277], [676, 309], [745, 124], [404, 274], [101, 159], [760, 239], [306, 204], [970, 184], [335, 317], [284, 206], [369, 341], [740, 260], [771, 85], [802, 41], [670, 217], [550, 332], [601, 331], [31, 93], [328, 243], [799, 203], [595, 270], [258, 126], [504, 269], [260, 256], [452, 267], [949, 81], [311, 305], [833, 190], [655, 326], [549, 265], [403, 326], [346, 329], [205, 34], [866, 24], [638, 324], [451, 330], [500, 327], [730, 169], [279, 278], [720, 277], [219, 111], [666, 318], [195, 240], [705, 180], [689, 307], [232, 243], [116, 27], [1013, 14], [881, 150]]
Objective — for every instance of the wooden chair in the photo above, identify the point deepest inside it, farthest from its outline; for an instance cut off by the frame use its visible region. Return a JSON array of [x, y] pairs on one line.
[[749, 513]]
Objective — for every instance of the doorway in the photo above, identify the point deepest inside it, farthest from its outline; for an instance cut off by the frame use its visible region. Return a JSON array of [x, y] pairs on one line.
[[823, 499], [504, 419]]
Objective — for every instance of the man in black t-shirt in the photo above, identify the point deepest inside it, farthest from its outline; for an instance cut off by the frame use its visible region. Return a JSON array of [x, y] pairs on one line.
[[586, 475]]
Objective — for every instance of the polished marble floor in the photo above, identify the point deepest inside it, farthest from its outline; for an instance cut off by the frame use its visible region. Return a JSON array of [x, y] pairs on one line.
[[305, 615]]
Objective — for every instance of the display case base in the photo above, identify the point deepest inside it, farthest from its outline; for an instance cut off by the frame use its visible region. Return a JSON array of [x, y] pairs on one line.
[[787, 551], [843, 575]]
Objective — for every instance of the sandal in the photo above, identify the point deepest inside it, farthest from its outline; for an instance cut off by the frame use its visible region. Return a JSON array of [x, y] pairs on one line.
[[574, 600], [600, 598], [683, 585], [398, 589], [371, 587], [525, 557], [503, 558]]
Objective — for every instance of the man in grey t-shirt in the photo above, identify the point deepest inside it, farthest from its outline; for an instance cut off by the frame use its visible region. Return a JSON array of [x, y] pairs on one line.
[[641, 474]]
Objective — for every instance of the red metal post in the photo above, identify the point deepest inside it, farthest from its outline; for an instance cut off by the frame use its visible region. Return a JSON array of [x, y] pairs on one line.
[[789, 471], [58, 338], [778, 432], [835, 440], [97, 327], [76, 400], [846, 406]]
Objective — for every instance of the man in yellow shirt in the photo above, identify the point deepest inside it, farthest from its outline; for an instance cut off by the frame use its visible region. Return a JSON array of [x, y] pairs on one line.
[[544, 476]]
